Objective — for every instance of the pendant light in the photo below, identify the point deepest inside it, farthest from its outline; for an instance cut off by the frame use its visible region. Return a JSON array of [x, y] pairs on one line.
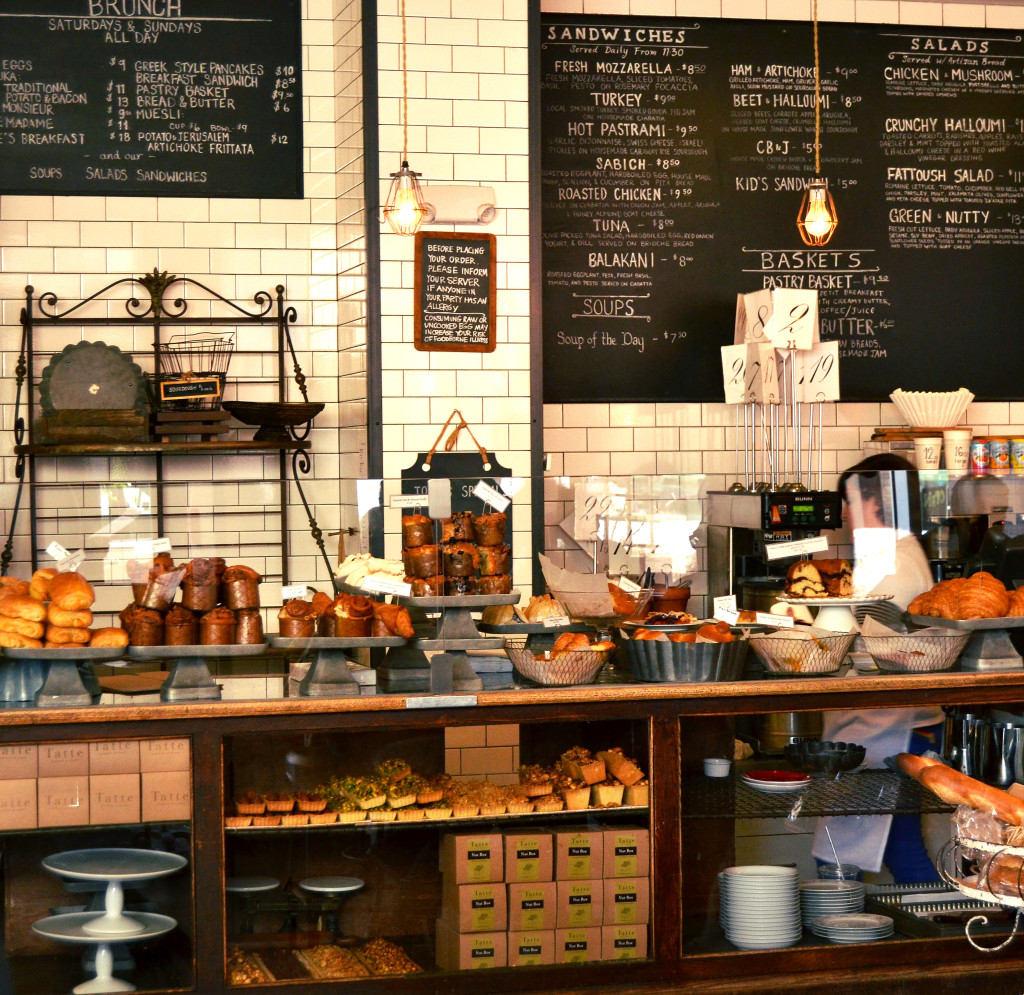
[[404, 209], [817, 219]]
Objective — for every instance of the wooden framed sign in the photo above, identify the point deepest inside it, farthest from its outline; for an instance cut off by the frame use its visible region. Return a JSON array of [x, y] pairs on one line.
[[454, 292]]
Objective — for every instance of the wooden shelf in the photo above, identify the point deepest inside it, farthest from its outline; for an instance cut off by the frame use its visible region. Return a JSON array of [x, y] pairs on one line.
[[143, 448]]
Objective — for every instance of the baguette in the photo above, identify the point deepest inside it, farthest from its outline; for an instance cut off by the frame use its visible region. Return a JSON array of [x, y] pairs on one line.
[[71, 591], [912, 764], [959, 789]]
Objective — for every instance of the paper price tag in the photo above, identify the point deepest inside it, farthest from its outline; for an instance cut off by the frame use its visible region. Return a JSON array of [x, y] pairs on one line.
[[780, 621], [555, 621], [162, 545], [628, 585], [724, 615], [71, 562], [801, 547], [292, 591], [727, 602], [734, 373], [492, 496], [383, 584], [794, 321], [407, 501], [57, 551], [817, 373]]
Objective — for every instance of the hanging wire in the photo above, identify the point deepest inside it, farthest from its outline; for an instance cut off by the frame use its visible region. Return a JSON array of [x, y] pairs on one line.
[[817, 95]]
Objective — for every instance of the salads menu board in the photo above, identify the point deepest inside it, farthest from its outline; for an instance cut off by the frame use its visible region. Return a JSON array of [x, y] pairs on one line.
[[186, 98], [674, 156]]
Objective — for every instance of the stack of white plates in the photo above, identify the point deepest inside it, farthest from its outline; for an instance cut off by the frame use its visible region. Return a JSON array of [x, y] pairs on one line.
[[852, 927], [759, 906], [822, 898]]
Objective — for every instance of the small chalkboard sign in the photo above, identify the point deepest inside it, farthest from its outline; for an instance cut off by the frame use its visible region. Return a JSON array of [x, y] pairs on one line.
[[454, 292]]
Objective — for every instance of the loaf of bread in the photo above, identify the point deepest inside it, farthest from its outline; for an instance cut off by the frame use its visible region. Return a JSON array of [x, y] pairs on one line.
[[912, 764], [70, 590], [959, 789], [820, 579]]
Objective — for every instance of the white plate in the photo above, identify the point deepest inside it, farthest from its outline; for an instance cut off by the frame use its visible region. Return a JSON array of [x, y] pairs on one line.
[[837, 602], [760, 870], [855, 920], [754, 944], [777, 788]]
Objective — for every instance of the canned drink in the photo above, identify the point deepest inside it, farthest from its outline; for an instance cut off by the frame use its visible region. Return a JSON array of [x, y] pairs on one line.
[[980, 459], [999, 455], [1017, 455]]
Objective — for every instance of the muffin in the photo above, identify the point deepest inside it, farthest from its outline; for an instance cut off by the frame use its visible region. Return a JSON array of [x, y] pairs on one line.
[[458, 587], [199, 585], [489, 530], [460, 559], [161, 589], [494, 559], [353, 615], [458, 528], [426, 587], [498, 584], [248, 627], [180, 627], [217, 627], [147, 628], [297, 619], [417, 530], [241, 587], [423, 561]]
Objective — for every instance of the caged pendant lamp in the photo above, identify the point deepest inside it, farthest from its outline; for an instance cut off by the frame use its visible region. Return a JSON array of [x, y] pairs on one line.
[[817, 219], [404, 209]]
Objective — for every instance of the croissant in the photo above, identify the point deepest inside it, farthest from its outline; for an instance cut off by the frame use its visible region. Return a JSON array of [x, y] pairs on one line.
[[394, 618], [22, 627], [1016, 606], [72, 591], [982, 596], [57, 635], [14, 641], [39, 586]]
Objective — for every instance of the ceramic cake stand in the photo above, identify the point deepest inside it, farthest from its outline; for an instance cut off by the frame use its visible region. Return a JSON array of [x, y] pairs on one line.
[[115, 866], [836, 614], [79, 927]]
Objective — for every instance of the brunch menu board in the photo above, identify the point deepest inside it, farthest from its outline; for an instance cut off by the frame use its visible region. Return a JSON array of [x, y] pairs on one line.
[[674, 153], [181, 98]]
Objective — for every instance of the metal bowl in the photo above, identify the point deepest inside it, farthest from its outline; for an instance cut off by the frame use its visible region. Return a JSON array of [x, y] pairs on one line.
[[824, 756], [274, 418]]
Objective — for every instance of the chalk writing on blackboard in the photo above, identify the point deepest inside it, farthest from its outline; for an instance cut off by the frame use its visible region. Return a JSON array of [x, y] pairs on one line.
[[454, 294]]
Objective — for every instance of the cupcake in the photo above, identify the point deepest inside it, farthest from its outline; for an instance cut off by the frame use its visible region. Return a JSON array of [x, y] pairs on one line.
[[497, 584], [250, 803], [353, 616], [494, 559], [460, 559], [199, 585], [297, 619], [489, 530], [417, 530], [217, 627], [180, 627], [241, 587], [248, 627], [423, 561], [147, 628], [458, 528]]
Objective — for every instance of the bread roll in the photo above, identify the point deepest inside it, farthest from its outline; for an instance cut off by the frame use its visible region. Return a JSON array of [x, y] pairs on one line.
[[70, 590], [39, 586], [959, 789], [69, 619], [108, 636], [11, 640], [61, 636], [22, 606], [22, 626]]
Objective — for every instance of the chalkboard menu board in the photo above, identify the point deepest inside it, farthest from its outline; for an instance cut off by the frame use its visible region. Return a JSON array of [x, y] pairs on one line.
[[454, 292], [181, 98], [674, 155]]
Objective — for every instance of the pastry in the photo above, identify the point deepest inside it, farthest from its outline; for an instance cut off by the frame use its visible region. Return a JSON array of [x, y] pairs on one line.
[[217, 627], [39, 586], [391, 620], [458, 528], [460, 559], [80, 619], [12, 640], [279, 801], [637, 794], [385, 957], [542, 606], [620, 766], [426, 587], [581, 765], [393, 769], [160, 590], [108, 636], [423, 561], [266, 821], [574, 791], [353, 615], [982, 596], [1015, 608], [14, 585], [496, 584], [549, 803], [459, 587], [200, 585], [180, 627], [535, 780], [241, 587], [23, 607], [489, 529], [820, 579], [297, 619], [248, 627], [607, 793], [22, 627], [323, 605], [494, 559], [307, 802], [146, 628], [59, 636], [417, 530], [331, 961]]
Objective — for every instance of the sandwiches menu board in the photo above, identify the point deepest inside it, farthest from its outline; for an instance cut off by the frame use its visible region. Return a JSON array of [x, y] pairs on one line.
[[181, 98], [674, 155]]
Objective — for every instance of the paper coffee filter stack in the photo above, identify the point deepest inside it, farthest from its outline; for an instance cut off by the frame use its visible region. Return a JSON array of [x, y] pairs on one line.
[[932, 409]]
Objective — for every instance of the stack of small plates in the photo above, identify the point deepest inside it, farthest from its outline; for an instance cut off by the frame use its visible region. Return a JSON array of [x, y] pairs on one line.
[[852, 927], [774, 781], [759, 906], [823, 898]]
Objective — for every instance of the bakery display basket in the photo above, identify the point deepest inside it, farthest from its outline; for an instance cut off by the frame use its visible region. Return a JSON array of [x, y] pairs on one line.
[[916, 653], [188, 358], [796, 656], [556, 669]]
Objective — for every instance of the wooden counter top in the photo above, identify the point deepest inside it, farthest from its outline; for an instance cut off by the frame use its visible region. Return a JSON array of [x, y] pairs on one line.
[[788, 694]]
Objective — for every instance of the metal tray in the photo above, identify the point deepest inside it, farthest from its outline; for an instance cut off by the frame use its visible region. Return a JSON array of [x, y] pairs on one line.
[[166, 652], [470, 601], [969, 624], [530, 628], [95, 653], [333, 642]]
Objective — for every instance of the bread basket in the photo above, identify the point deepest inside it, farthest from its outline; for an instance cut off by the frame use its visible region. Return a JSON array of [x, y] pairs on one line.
[[804, 655], [663, 661], [916, 653], [560, 669]]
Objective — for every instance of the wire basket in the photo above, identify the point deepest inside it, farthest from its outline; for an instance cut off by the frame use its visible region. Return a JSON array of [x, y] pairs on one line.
[[192, 359], [554, 669], [799, 657], [916, 654]]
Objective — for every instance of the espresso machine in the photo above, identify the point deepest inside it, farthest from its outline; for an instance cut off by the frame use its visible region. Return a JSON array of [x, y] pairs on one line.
[[742, 525]]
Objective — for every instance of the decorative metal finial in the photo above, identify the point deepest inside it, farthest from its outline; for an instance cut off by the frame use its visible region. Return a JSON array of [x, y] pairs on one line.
[[157, 283]]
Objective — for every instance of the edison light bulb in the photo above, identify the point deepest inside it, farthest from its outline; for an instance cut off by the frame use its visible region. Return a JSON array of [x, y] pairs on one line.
[[817, 218]]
